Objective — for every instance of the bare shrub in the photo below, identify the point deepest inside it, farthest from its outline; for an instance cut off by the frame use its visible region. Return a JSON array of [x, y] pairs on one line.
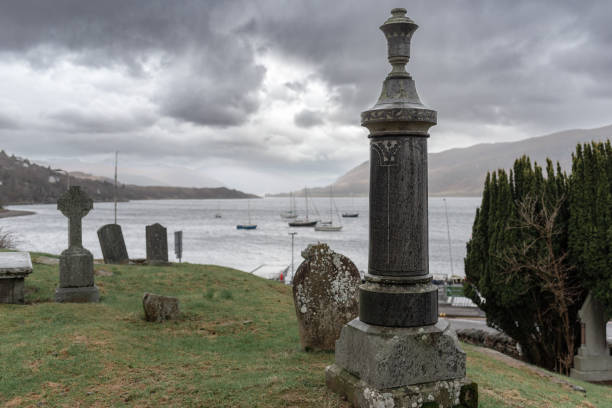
[[7, 239]]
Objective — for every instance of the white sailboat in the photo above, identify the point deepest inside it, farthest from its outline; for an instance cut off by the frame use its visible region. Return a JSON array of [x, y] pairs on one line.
[[329, 226]]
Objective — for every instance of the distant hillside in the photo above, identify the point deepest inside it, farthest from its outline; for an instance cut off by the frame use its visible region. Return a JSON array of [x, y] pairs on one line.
[[461, 172], [24, 182]]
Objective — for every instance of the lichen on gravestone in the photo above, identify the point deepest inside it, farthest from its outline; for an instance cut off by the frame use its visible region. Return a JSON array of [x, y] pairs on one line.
[[325, 291]]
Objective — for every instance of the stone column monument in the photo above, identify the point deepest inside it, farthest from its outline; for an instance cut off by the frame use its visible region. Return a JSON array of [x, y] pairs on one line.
[[396, 353], [76, 263]]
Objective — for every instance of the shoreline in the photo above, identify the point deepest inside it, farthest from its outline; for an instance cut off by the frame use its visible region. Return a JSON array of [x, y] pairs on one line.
[[14, 213]]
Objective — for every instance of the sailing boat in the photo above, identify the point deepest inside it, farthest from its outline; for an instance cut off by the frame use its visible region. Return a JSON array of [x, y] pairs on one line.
[[248, 226], [352, 213], [291, 214], [329, 226], [304, 222]]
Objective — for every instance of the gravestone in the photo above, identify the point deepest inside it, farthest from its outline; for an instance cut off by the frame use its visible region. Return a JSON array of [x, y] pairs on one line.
[[157, 244], [325, 296], [14, 268], [158, 308], [112, 244], [396, 353], [593, 361], [76, 263]]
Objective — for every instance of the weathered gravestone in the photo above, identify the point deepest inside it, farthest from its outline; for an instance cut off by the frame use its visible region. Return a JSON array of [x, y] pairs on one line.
[[112, 244], [157, 244], [76, 263], [397, 353], [14, 268], [593, 361], [325, 296], [158, 308]]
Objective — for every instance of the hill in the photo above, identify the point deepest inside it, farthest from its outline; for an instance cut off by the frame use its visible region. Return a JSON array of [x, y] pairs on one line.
[[25, 182], [236, 344], [461, 172]]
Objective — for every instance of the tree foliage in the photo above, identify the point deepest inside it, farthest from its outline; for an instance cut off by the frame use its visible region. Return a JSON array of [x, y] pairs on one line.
[[517, 267], [590, 223]]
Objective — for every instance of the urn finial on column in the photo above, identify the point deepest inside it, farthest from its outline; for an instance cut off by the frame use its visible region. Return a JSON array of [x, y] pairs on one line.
[[398, 29], [399, 108]]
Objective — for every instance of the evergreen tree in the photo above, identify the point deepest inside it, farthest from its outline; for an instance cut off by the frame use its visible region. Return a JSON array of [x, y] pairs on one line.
[[516, 265], [590, 222]]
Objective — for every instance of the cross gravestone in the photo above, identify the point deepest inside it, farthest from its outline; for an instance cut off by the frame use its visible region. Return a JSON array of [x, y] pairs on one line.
[[14, 268], [112, 244], [593, 361], [157, 244], [76, 263], [397, 353], [325, 290]]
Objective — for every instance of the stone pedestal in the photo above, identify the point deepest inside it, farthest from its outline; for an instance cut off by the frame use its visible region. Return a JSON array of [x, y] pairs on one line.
[[76, 283], [397, 354], [112, 244], [14, 268], [593, 361]]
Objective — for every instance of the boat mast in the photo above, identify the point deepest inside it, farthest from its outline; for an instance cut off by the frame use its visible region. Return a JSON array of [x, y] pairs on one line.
[[450, 252], [306, 200], [331, 214]]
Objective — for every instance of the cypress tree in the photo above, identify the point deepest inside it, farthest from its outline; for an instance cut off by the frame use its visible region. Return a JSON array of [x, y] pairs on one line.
[[518, 300], [590, 223]]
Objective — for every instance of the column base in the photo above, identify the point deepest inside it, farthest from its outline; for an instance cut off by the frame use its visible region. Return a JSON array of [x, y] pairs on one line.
[[398, 365], [398, 301], [86, 294], [446, 393]]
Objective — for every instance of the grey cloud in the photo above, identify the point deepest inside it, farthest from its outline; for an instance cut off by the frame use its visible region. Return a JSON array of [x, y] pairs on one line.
[[86, 121], [8, 122], [308, 118]]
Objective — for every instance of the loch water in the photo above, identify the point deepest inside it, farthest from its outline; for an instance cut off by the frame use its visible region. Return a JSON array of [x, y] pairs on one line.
[[210, 240]]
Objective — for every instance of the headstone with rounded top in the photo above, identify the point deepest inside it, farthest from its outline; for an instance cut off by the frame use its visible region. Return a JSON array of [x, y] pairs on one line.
[[325, 291], [112, 244], [157, 244], [76, 263]]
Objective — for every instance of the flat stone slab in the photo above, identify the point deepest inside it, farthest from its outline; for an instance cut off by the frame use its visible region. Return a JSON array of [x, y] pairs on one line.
[[14, 268], [15, 265]]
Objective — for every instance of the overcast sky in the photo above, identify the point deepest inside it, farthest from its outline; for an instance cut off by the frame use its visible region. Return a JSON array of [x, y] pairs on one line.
[[265, 96]]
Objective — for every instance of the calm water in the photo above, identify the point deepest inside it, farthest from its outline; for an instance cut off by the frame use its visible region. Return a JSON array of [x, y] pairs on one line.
[[210, 240]]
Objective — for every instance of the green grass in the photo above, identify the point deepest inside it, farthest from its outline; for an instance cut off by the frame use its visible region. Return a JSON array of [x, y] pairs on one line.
[[235, 345]]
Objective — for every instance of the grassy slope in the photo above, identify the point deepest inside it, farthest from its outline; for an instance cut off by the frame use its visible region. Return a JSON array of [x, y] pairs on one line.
[[235, 345]]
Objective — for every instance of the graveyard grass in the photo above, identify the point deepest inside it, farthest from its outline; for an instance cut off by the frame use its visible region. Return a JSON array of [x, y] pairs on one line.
[[236, 344]]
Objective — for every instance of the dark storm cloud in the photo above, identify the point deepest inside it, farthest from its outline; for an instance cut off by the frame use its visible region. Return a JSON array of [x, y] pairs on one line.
[[218, 86], [483, 61], [308, 118], [537, 66]]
